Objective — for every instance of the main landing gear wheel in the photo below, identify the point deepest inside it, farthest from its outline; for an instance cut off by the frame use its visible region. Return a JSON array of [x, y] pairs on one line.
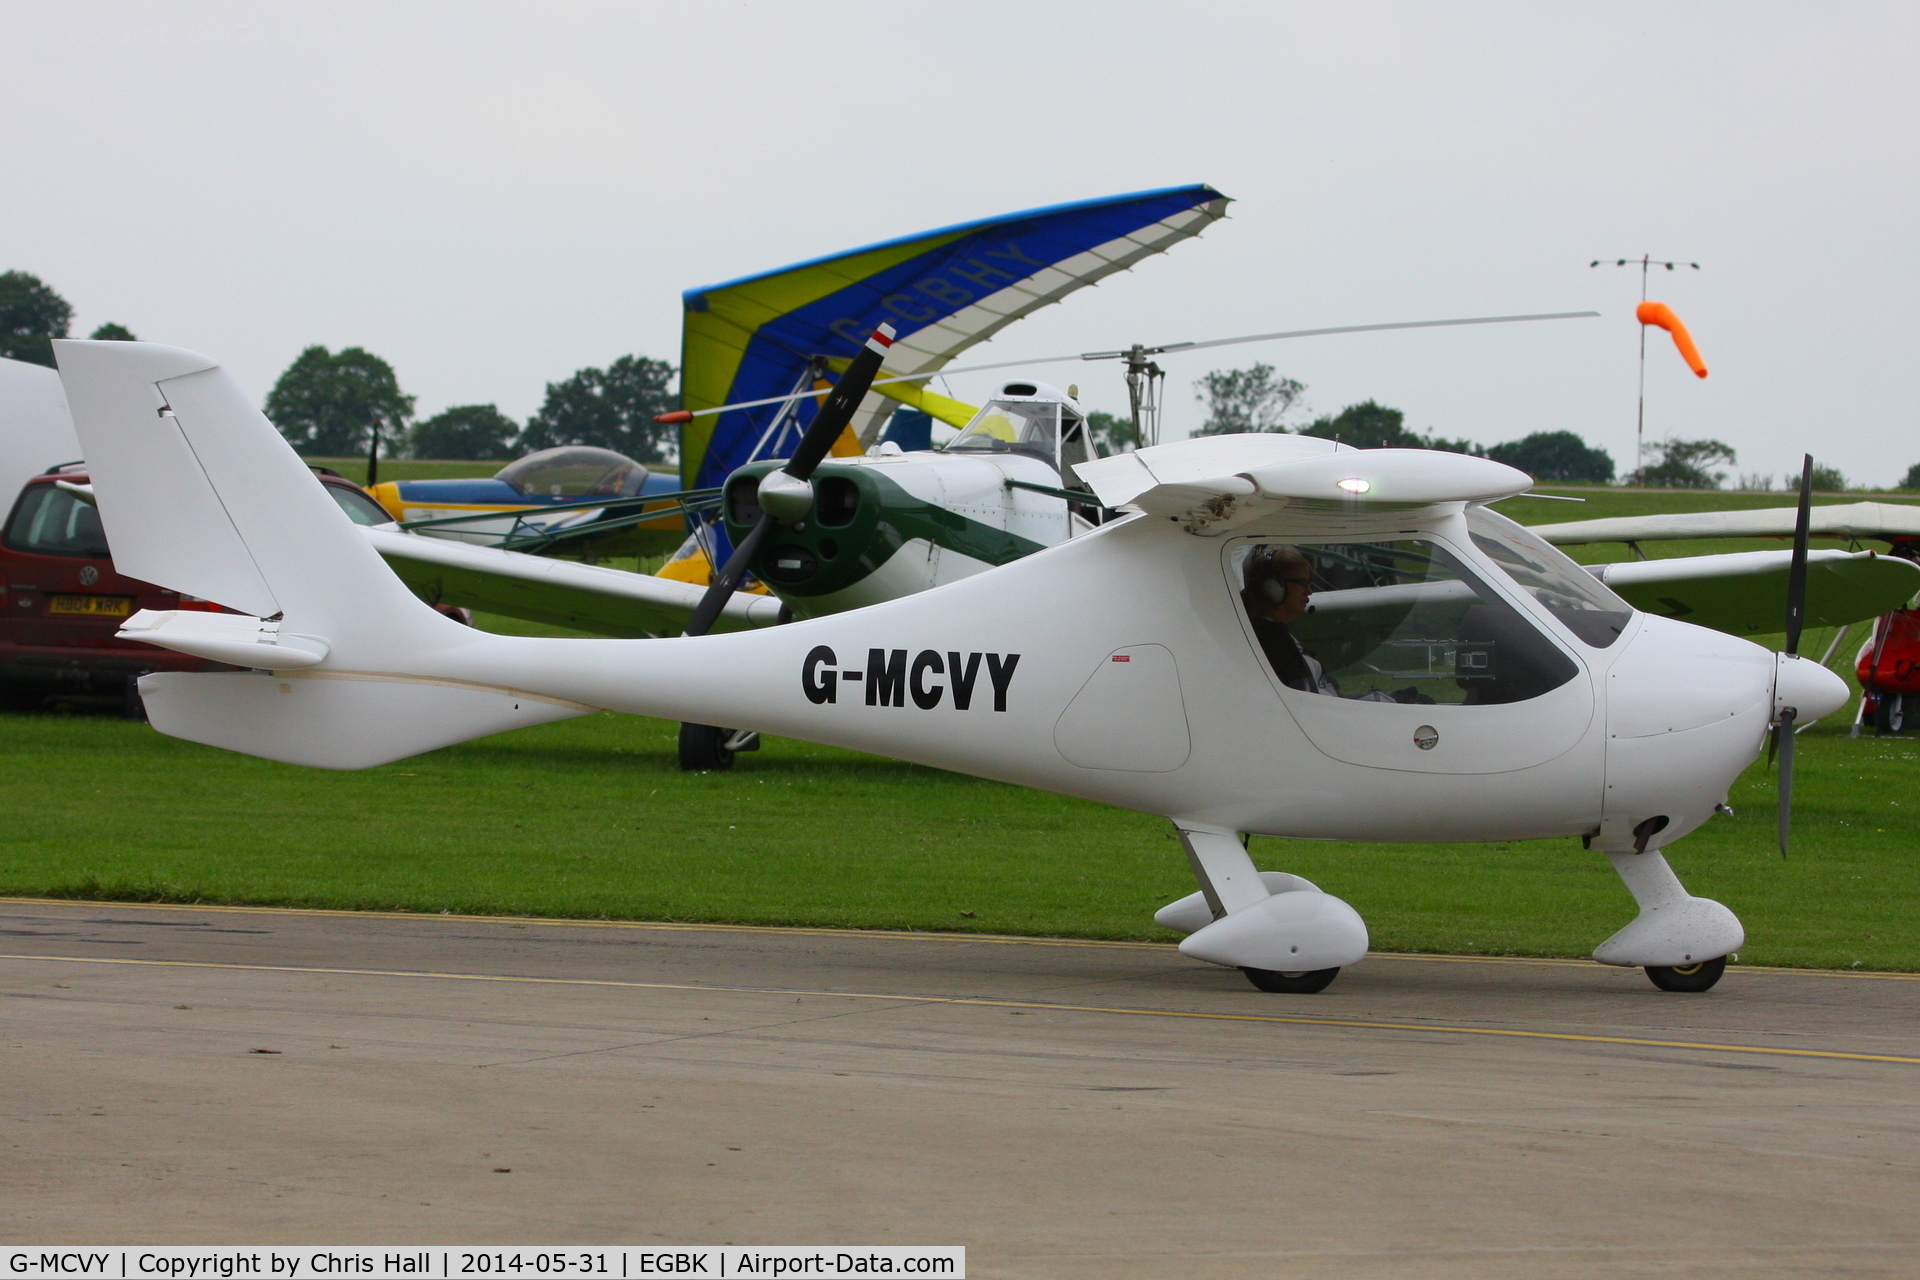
[[1687, 977], [1303, 983], [703, 748]]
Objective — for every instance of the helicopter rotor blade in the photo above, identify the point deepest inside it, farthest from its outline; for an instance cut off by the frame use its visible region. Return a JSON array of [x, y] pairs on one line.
[[1351, 328], [827, 425], [1796, 617], [688, 415]]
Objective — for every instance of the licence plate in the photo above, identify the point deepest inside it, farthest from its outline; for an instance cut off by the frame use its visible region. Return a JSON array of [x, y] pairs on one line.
[[92, 606]]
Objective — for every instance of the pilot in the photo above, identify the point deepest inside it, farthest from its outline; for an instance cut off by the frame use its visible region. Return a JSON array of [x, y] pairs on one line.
[[1279, 587]]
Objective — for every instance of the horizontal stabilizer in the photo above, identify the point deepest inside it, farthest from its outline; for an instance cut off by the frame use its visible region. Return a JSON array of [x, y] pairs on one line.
[[225, 637], [336, 721]]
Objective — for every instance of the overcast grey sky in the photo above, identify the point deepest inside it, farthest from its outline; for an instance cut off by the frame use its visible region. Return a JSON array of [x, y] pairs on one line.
[[493, 195]]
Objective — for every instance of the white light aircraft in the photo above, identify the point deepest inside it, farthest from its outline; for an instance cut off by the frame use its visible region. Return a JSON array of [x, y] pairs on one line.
[[1456, 678]]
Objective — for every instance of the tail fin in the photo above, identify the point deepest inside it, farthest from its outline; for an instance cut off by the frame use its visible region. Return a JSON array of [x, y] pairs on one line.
[[199, 493]]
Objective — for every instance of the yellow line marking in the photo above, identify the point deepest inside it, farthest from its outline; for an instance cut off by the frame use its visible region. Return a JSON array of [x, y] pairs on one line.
[[982, 1002], [898, 935]]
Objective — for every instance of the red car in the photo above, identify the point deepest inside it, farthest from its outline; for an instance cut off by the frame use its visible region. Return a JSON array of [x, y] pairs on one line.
[[61, 601]]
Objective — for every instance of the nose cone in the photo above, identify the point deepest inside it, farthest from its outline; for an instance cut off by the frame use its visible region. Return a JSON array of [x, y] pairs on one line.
[[1809, 688]]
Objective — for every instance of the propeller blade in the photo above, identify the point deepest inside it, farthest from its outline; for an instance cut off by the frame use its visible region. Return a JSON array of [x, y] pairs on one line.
[[827, 425], [685, 415], [1784, 734], [837, 412], [728, 579], [1797, 574]]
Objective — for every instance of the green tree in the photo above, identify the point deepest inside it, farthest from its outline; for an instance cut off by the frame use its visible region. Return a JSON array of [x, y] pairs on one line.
[[111, 332], [1112, 433], [1683, 465], [1826, 479], [1366, 425], [1556, 455], [31, 317], [1242, 400], [325, 404], [468, 432], [1913, 477], [611, 407]]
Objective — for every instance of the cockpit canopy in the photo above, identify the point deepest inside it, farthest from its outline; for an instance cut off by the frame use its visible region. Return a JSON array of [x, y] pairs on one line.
[[574, 471], [1029, 418]]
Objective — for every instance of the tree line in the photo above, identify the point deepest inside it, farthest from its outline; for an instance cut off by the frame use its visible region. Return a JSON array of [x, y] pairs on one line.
[[1258, 399], [330, 404]]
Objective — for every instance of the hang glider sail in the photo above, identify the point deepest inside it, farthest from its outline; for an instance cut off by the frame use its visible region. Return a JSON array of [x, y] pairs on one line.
[[943, 291]]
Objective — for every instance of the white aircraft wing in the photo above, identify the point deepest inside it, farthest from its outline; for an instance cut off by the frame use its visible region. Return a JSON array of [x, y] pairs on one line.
[[1212, 484], [1882, 520], [608, 602], [1745, 593]]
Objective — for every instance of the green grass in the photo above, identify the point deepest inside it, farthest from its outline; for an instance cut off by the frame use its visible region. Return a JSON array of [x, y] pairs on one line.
[[591, 818]]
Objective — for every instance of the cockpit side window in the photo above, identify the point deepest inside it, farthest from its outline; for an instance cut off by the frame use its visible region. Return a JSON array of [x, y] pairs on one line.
[[1582, 603], [1402, 622], [1031, 427]]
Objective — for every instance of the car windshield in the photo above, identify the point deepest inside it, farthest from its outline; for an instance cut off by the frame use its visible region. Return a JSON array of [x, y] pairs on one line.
[[1013, 426], [1578, 599], [574, 471], [51, 521], [359, 507]]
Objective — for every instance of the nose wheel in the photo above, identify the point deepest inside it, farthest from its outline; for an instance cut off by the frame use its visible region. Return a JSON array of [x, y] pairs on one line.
[[1304, 983], [1688, 977]]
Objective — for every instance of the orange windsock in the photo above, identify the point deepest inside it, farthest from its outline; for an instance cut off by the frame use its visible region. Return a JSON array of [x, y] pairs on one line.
[[1661, 315]]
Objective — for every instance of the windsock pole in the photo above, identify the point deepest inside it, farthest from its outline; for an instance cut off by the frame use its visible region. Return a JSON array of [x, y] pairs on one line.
[[1640, 418]]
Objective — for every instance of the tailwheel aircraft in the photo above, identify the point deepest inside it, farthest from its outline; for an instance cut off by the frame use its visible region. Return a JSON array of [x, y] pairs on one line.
[[1275, 635]]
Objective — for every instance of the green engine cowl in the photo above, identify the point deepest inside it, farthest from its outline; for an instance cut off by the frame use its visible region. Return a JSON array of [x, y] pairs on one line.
[[859, 519]]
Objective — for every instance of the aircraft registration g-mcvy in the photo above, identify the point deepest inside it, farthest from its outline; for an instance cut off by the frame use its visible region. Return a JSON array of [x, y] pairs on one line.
[[1457, 678]]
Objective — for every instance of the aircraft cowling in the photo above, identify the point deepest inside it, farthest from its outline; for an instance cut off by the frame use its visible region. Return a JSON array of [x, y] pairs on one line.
[[1687, 710]]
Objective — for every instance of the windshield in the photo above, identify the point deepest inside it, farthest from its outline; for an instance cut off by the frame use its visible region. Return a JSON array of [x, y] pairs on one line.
[[574, 471], [359, 507], [1578, 599], [53, 522], [1013, 426], [1391, 622]]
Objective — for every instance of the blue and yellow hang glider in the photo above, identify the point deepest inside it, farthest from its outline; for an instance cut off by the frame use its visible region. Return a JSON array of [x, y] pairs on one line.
[[794, 329]]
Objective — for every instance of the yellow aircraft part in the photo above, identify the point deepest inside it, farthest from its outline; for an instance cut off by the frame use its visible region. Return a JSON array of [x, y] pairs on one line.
[[690, 564], [955, 413]]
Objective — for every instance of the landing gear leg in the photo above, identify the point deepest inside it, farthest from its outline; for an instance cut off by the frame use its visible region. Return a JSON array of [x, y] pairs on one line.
[[1680, 940], [1281, 931]]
